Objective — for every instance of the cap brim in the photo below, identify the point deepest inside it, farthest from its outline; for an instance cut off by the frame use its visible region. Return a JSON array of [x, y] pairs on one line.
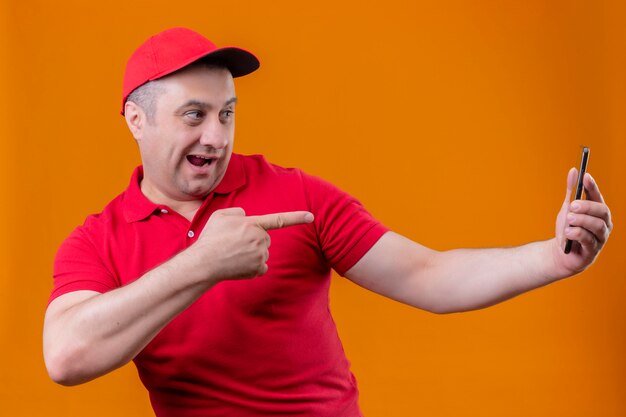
[[238, 61]]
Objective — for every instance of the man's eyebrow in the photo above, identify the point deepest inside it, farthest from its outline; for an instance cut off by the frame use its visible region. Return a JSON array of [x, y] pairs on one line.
[[204, 105]]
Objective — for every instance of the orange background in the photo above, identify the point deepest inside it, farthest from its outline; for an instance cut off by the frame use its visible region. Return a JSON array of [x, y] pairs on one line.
[[454, 122]]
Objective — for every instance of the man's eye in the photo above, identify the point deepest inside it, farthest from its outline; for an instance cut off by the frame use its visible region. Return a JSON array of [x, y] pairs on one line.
[[194, 115], [226, 114]]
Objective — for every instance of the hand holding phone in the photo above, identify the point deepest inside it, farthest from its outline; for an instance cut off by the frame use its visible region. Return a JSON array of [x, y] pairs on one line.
[[579, 186]]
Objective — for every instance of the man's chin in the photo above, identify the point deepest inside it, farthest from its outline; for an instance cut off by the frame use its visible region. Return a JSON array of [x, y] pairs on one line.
[[197, 194], [196, 191], [199, 186]]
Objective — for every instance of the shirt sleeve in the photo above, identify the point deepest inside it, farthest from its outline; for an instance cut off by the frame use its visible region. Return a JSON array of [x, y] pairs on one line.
[[345, 229], [78, 266]]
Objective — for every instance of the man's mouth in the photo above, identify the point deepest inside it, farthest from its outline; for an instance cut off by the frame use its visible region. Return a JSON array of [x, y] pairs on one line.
[[199, 160]]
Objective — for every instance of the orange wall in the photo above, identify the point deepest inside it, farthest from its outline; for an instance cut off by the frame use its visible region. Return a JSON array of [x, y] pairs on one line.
[[455, 122]]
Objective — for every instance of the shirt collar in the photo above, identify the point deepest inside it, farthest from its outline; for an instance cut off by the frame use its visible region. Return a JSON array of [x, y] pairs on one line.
[[137, 207]]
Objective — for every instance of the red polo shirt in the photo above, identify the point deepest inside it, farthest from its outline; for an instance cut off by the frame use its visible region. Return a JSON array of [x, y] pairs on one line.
[[261, 347]]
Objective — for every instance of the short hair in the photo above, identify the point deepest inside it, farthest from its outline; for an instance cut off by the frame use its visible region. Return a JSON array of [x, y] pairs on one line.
[[145, 96]]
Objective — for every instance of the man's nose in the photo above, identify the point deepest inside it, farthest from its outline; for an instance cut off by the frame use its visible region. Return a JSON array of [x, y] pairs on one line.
[[215, 135]]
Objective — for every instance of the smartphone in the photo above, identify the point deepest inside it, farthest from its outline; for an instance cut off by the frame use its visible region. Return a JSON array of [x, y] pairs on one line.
[[579, 186]]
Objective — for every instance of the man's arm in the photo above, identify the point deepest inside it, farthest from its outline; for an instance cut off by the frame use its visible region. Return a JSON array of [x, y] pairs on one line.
[[87, 334], [468, 279]]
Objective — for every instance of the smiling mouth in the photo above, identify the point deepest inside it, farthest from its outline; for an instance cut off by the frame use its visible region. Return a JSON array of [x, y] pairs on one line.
[[199, 160]]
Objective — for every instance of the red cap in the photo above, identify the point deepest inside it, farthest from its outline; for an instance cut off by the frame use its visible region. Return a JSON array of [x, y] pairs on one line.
[[174, 49]]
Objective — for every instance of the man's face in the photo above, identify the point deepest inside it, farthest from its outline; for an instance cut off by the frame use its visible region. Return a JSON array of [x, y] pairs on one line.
[[186, 146]]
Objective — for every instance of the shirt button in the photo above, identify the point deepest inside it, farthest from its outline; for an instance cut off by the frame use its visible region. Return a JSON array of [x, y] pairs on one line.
[[164, 211], [190, 233]]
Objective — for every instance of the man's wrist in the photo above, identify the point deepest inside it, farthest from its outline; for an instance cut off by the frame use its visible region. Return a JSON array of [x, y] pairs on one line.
[[193, 270], [552, 251]]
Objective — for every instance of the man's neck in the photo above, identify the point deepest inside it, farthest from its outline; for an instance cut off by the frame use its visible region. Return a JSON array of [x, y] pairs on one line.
[[186, 208]]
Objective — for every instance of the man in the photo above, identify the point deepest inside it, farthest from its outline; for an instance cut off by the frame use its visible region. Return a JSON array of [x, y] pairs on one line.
[[177, 273]]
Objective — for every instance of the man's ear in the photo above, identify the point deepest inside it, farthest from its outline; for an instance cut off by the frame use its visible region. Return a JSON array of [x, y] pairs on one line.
[[135, 119]]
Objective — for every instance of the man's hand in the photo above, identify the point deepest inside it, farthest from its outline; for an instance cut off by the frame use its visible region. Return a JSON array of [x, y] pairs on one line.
[[586, 222], [233, 245]]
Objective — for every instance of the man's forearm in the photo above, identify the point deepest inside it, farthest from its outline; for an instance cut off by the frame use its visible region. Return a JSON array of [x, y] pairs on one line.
[[455, 280], [469, 279], [87, 334]]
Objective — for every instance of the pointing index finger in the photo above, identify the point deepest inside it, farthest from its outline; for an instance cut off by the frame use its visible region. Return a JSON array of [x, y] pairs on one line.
[[280, 220]]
